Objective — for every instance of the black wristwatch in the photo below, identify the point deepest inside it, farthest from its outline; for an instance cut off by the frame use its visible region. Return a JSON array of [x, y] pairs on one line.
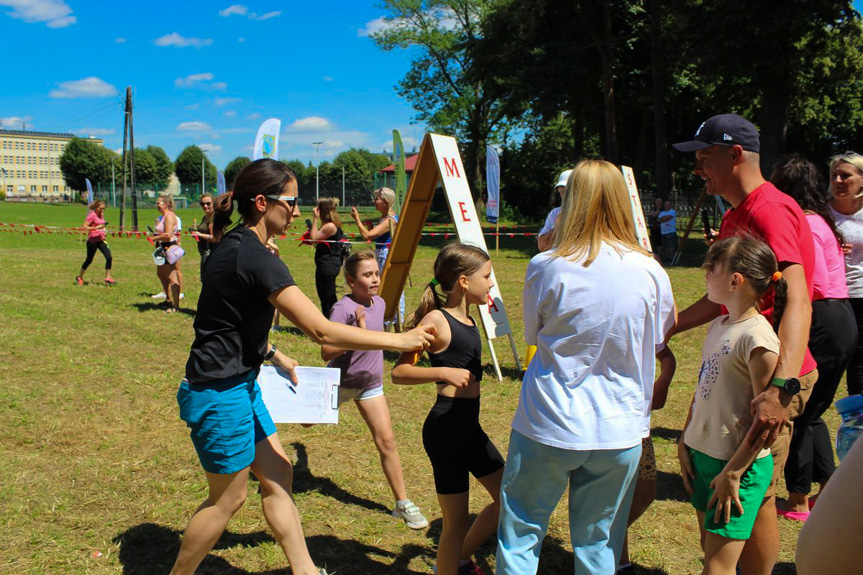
[[790, 385], [270, 354]]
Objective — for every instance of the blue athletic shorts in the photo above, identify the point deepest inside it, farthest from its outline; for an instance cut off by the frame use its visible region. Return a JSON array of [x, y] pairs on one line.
[[226, 421]]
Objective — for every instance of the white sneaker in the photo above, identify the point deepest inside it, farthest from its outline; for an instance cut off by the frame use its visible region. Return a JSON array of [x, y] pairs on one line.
[[161, 295], [410, 514]]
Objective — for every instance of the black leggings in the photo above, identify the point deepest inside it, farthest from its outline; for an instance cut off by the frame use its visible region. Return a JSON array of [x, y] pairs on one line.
[[832, 340], [325, 282], [855, 368], [91, 252]]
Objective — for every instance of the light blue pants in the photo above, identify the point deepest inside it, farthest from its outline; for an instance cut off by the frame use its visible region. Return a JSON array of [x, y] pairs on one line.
[[601, 484]]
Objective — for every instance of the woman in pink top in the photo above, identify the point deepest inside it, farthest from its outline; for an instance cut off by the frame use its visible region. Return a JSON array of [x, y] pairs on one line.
[[95, 225], [832, 337]]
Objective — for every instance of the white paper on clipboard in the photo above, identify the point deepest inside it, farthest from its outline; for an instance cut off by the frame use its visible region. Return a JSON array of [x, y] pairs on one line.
[[314, 399]]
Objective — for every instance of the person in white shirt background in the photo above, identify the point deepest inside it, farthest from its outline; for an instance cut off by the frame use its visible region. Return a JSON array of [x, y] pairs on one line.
[[546, 235], [598, 308]]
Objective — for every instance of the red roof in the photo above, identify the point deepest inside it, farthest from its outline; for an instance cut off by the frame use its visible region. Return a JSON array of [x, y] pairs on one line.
[[410, 164]]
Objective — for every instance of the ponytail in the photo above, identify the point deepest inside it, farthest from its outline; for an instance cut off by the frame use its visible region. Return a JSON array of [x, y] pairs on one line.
[[223, 207], [430, 300]]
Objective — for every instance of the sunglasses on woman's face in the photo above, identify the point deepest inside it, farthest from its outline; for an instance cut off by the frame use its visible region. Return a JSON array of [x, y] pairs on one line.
[[205, 204], [292, 201]]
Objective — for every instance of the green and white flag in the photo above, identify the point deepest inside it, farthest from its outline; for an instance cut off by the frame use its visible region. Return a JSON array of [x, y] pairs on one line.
[[267, 140]]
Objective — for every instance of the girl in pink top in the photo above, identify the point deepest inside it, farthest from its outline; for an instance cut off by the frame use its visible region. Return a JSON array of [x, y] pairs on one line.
[[95, 225], [832, 336]]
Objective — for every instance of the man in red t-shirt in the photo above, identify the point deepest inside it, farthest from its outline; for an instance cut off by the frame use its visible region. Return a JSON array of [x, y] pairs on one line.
[[727, 159]]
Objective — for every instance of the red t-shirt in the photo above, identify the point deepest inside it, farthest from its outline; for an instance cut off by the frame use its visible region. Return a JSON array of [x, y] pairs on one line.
[[777, 220]]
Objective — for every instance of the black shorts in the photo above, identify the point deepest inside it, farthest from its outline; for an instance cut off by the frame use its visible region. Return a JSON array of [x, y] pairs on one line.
[[457, 445]]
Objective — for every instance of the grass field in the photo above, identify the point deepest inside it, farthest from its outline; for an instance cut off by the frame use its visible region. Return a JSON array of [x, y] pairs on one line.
[[97, 473]]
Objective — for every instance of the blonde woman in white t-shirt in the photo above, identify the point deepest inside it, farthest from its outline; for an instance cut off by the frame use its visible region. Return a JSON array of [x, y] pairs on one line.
[[725, 474], [598, 308]]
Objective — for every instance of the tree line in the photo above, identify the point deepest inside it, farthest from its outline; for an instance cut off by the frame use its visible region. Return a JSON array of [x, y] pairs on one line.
[[551, 81], [356, 169]]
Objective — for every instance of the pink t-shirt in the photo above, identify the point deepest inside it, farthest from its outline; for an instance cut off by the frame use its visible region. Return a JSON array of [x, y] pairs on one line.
[[94, 220], [828, 277]]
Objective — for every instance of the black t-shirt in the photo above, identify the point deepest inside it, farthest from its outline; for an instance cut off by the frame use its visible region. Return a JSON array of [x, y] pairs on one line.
[[234, 315], [328, 254]]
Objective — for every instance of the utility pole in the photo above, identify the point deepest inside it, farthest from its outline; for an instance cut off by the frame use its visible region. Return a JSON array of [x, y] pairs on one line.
[[129, 163], [317, 171], [343, 185]]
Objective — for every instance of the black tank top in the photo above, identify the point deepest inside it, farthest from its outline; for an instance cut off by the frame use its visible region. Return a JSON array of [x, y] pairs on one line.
[[464, 350], [328, 254]]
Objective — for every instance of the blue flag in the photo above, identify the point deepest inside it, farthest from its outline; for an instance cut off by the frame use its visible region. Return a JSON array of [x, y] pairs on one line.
[[492, 181], [220, 183], [89, 191]]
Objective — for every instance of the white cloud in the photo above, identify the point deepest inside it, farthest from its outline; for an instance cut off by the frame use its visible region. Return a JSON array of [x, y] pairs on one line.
[[254, 116], [310, 124], [219, 85], [230, 113], [91, 87], [327, 78], [175, 39], [14, 122], [215, 135], [120, 40], [193, 127], [373, 26], [210, 149], [55, 13], [266, 16], [238, 9], [193, 79], [93, 131], [241, 40], [225, 101]]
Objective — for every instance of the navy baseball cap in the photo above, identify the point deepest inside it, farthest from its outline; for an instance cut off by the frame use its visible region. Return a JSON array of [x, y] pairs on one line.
[[723, 130]]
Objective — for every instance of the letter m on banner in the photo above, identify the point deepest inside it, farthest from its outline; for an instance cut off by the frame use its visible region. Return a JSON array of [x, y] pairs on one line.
[[451, 167]]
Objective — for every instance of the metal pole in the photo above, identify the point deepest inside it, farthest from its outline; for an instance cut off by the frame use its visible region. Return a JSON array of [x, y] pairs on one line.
[[113, 190], [343, 185], [317, 145], [202, 176]]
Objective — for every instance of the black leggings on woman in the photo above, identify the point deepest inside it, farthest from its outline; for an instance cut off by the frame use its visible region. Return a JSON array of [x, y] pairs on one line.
[[832, 340], [91, 252]]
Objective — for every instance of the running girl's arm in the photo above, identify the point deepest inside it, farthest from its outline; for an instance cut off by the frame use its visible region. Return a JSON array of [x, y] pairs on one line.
[[406, 372], [370, 234], [667, 367], [299, 309], [331, 352], [726, 485]]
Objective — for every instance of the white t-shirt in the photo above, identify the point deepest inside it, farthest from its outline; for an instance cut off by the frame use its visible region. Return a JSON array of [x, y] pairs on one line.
[[597, 330], [550, 221], [851, 227], [669, 226]]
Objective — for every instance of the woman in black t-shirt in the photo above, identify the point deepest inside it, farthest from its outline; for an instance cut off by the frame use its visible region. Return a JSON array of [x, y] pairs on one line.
[[219, 398], [328, 252]]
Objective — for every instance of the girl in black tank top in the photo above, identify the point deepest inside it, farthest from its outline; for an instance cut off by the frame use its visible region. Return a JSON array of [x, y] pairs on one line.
[[452, 436]]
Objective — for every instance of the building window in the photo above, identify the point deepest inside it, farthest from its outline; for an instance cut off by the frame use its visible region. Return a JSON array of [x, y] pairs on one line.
[[32, 188], [44, 188], [56, 188]]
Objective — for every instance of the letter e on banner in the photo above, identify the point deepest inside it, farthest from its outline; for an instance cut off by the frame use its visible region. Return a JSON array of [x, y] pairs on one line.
[[463, 211], [451, 168]]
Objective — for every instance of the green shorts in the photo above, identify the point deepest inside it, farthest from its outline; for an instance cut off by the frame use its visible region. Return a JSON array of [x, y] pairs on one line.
[[753, 486]]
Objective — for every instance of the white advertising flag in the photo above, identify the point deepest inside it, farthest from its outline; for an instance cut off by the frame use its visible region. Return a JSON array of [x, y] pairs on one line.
[[267, 140]]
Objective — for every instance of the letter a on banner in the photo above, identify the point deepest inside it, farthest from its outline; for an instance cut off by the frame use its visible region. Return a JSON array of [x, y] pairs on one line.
[[439, 160], [267, 140]]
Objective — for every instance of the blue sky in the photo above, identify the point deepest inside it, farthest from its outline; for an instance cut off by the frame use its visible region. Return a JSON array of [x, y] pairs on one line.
[[205, 73]]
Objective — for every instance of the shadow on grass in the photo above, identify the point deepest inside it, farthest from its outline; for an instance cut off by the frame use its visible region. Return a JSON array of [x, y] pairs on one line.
[[144, 307], [293, 330], [665, 433], [149, 548], [669, 487], [305, 481]]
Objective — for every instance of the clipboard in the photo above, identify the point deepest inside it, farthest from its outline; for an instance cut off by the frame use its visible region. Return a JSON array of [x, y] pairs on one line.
[[314, 399]]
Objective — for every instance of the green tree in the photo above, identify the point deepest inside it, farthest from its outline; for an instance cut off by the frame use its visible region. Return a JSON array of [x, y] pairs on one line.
[[83, 159], [233, 169], [442, 85], [145, 168], [164, 166], [187, 166]]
